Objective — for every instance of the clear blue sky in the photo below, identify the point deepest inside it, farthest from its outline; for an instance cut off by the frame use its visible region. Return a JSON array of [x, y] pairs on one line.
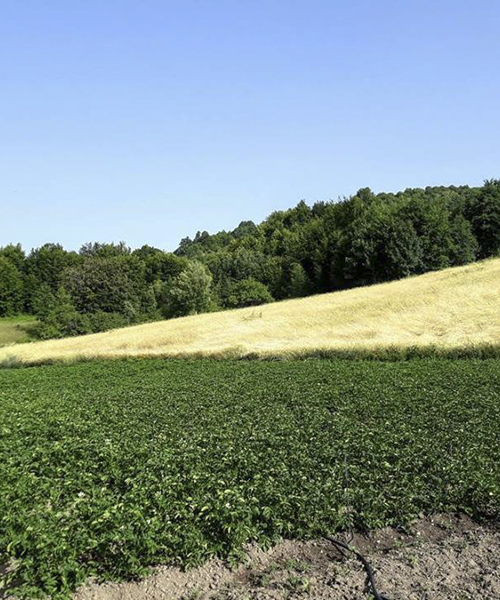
[[146, 120]]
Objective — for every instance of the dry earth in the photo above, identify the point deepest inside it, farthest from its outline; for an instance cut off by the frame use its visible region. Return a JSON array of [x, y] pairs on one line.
[[446, 557]]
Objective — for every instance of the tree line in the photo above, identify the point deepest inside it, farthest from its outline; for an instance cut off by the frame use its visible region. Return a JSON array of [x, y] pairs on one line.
[[366, 238]]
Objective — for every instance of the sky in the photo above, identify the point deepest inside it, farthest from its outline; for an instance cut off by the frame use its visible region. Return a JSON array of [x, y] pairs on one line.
[[147, 120]]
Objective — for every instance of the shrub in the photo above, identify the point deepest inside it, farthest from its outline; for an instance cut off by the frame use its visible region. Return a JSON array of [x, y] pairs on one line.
[[247, 292], [62, 320], [103, 321]]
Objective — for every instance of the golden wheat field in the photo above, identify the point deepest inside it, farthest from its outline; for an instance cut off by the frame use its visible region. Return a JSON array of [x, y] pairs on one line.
[[452, 309]]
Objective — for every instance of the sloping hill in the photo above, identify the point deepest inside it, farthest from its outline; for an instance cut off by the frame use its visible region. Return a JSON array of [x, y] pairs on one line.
[[14, 330], [451, 310]]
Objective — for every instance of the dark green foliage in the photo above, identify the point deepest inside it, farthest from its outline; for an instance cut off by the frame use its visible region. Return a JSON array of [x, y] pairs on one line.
[[108, 467], [103, 321], [189, 293], [243, 263], [363, 239], [299, 282], [62, 319], [402, 251], [47, 264], [465, 245], [485, 213], [246, 229], [43, 300], [15, 254], [11, 288], [98, 250], [100, 284], [247, 292], [159, 265], [148, 306]]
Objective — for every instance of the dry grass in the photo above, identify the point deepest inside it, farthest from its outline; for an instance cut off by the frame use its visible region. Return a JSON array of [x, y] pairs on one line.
[[453, 311]]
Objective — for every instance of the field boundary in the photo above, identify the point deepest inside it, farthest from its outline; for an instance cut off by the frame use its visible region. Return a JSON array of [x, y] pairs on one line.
[[387, 354]]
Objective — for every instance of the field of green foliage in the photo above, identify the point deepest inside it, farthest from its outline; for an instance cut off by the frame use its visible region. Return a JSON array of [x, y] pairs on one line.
[[109, 467]]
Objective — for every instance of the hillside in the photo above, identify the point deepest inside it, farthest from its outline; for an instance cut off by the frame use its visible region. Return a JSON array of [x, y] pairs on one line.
[[447, 310], [361, 240], [14, 330]]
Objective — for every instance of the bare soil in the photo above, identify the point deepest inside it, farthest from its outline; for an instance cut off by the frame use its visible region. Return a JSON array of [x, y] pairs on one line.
[[444, 557]]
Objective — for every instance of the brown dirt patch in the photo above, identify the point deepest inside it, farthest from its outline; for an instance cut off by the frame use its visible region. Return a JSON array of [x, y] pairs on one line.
[[444, 557]]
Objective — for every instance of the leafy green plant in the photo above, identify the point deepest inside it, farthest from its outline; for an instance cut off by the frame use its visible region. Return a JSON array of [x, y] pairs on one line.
[[247, 292], [107, 468]]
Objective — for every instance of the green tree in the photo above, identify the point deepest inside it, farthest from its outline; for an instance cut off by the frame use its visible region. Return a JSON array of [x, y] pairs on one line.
[[104, 321], [485, 215], [11, 288], [163, 266], [245, 229], [100, 284], [362, 263], [48, 262], [431, 222], [148, 304], [299, 282], [16, 255], [188, 293], [465, 246], [401, 254], [100, 250], [248, 292], [63, 320], [43, 300]]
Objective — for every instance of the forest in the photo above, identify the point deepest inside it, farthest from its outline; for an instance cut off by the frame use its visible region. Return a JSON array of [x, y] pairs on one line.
[[363, 239]]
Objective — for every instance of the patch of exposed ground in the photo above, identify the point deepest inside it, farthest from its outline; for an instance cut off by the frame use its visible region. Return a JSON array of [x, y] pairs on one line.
[[446, 557]]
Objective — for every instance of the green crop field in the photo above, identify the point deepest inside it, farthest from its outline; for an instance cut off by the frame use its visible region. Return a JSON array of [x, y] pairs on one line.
[[109, 467], [14, 330]]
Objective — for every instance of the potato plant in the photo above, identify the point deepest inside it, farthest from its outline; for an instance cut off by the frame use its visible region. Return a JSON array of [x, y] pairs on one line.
[[108, 468]]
